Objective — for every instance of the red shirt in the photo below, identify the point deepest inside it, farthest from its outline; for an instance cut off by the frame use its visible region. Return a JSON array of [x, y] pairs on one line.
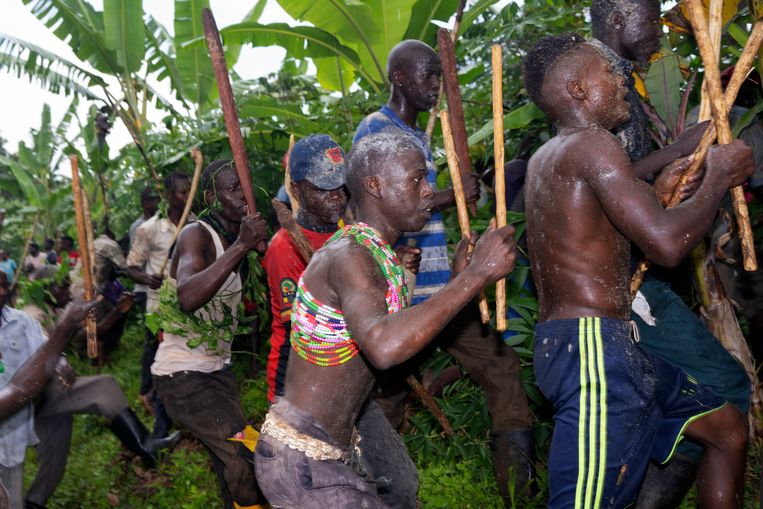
[[283, 266]]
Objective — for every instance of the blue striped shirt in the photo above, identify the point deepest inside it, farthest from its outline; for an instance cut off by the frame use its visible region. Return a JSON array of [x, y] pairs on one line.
[[434, 271]]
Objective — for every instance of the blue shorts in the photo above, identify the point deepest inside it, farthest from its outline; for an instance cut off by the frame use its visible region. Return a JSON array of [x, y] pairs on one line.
[[615, 407]]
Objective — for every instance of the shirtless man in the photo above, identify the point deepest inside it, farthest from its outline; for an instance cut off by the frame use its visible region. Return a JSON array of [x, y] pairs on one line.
[[629, 33], [615, 405], [352, 298]]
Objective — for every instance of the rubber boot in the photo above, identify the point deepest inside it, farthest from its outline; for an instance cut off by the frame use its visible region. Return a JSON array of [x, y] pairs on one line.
[[513, 461], [665, 486], [133, 435]]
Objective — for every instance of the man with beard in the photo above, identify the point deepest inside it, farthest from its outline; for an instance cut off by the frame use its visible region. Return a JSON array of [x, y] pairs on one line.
[[199, 306]]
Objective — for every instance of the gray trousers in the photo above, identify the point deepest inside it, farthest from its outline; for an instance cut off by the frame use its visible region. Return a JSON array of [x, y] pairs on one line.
[[12, 479], [378, 475], [53, 424]]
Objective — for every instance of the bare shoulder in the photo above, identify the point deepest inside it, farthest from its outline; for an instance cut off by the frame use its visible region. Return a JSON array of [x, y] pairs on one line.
[[594, 150], [338, 266]]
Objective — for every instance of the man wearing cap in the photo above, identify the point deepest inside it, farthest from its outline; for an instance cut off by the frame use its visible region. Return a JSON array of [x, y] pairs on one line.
[[317, 170]]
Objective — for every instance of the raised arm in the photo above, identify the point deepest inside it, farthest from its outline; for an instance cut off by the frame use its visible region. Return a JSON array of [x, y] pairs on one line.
[[199, 274], [389, 339], [665, 236]]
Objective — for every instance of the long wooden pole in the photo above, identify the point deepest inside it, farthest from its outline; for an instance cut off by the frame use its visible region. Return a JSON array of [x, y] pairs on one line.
[[453, 36], [216, 53], [198, 162], [458, 190], [500, 177], [721, 121], [82, 238], [741, 71], [287, 178], [455, 106]]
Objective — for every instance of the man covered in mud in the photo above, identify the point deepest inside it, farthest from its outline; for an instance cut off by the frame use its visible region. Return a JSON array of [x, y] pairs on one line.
[[317, 170], [352, 299], [415, 72], [629, 33], [199, 311], [615, 405]]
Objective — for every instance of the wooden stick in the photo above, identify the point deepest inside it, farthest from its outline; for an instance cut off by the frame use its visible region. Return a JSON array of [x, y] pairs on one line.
[[453, 35], [720, 117], [287, 178], [90, 234], [198, 160], [741, 71], [455, 106], [87, 274], [500, 177], [430, 403], [288, 223], [458, 190], [216, 53]]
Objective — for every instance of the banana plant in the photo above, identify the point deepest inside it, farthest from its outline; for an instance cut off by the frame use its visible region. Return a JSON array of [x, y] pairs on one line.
[[35, 171]]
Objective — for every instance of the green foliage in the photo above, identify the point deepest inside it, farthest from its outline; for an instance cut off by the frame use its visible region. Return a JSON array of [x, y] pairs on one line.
[[192, 62], [124, 32]]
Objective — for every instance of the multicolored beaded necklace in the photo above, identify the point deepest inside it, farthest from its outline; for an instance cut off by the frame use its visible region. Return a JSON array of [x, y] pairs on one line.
[[318, 332]]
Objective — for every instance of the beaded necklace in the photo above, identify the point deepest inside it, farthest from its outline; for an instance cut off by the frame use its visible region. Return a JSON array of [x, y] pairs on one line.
[[319, 333]]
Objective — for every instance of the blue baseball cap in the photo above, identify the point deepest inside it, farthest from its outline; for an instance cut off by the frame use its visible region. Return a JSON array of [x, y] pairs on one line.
[[319, 160]]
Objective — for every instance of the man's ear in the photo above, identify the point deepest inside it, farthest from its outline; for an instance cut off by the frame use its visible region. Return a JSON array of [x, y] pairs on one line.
[[372, 185], [616, 20], [293, 189], [209, 197], [576, 90], [396, 77]]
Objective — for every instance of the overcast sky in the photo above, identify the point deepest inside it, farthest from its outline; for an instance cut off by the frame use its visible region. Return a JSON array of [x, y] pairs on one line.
[[21, 102]]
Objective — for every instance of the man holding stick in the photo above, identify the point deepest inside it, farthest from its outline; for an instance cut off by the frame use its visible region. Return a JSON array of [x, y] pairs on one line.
[[191, 370], [317, 181], [615, 405], [304, 456], [27, 360], [415, 72], [628, 31]]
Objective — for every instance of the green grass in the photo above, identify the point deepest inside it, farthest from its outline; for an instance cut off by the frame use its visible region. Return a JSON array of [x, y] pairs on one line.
[[454, 471]]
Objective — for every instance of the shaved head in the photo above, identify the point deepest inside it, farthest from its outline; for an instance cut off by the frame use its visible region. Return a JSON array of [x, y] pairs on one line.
[[405, 53]]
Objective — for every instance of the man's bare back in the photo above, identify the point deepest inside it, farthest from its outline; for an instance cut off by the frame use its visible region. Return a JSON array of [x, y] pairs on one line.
[[585, 204], [583, 253]]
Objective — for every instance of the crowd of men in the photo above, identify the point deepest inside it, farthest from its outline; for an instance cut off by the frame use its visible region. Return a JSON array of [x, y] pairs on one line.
[[628, 379]]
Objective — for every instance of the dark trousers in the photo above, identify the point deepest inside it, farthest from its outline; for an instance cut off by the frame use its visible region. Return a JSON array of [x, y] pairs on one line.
[[208, 404], [53, 425], [162, 421], [292, 480]]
